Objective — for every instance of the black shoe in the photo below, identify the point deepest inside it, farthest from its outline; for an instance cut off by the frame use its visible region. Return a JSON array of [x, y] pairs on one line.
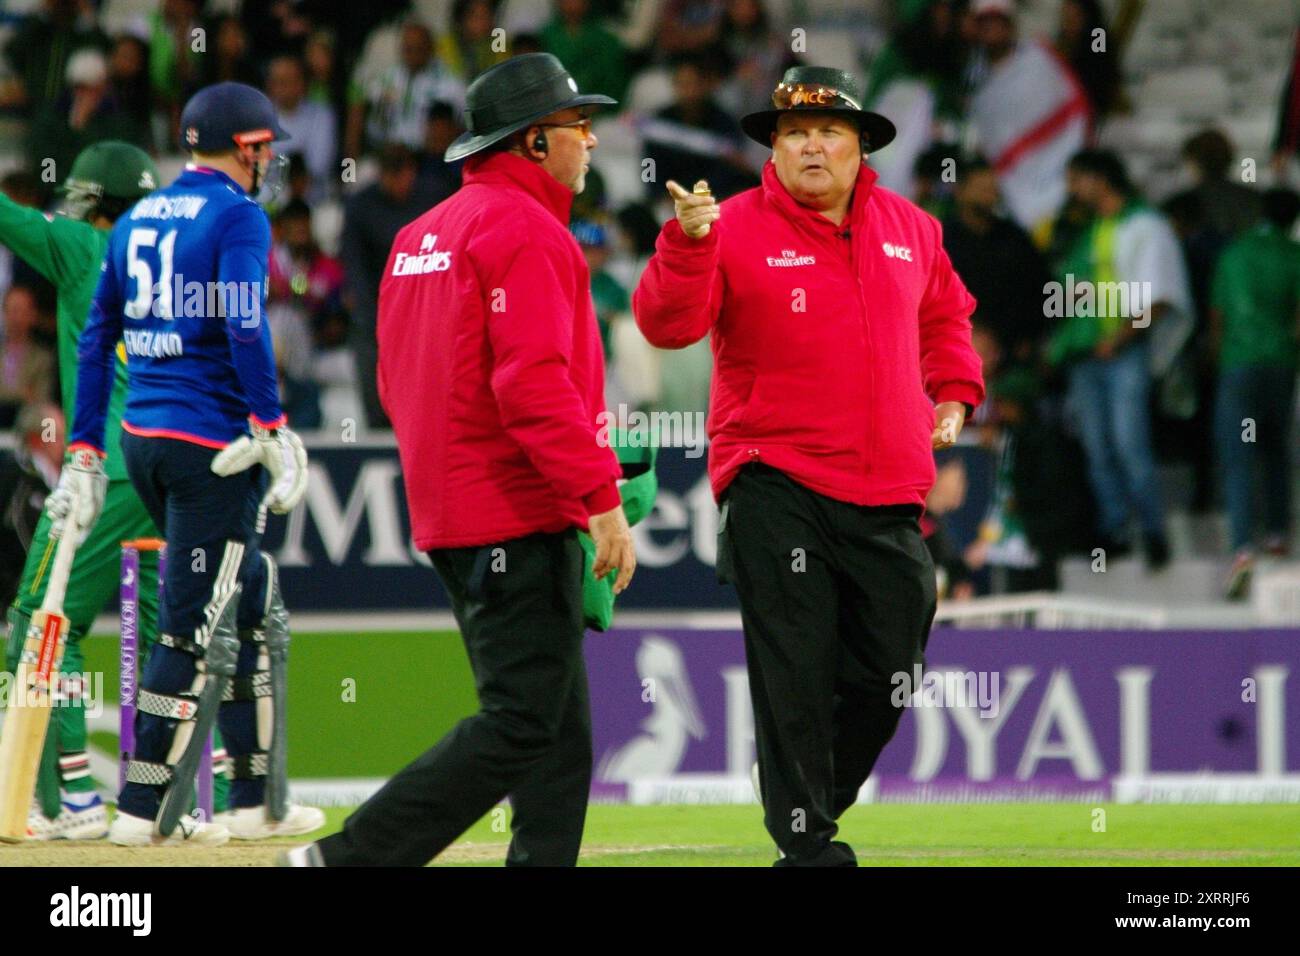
[[835, 853], [1157, 549], [1115, 548]]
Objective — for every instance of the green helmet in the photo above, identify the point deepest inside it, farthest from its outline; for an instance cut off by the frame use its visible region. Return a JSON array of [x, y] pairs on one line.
[[108, 177]]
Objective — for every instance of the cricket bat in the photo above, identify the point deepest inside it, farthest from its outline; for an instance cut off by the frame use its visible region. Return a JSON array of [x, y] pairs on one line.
[[28, 716]]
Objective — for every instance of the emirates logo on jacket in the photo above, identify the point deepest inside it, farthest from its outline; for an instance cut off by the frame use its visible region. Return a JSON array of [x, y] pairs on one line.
[[789, 257], [427, 260]]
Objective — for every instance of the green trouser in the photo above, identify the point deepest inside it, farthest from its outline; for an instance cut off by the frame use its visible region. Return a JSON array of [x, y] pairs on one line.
[[92, 585]]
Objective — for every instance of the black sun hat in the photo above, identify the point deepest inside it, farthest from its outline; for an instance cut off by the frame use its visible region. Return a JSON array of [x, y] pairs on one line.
[[514, 95], [824, 89]]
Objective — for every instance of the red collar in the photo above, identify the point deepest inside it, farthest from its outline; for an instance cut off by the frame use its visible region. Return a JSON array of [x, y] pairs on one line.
[[789, 207], [507, 169]]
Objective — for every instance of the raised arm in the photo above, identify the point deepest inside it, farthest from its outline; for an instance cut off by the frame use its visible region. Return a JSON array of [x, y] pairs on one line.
[[680, 293], [48, 244]]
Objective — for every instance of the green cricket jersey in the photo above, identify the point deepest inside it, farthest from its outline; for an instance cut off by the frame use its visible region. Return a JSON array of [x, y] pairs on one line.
[[1257, 288], [68, 253]]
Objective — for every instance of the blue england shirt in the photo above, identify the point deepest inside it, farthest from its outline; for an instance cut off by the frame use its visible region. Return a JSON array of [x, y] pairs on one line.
[[183, 289]]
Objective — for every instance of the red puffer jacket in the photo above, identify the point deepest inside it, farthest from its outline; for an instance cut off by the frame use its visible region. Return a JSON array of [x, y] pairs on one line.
[[490, 363], [831, 344]]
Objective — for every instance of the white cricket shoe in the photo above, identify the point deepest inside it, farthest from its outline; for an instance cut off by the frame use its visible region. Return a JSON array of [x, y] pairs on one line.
[[252, 823], [73, 822], [127, 830]]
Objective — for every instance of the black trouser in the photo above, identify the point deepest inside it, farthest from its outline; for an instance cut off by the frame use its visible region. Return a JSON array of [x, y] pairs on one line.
[[835, 599], [519, 607]]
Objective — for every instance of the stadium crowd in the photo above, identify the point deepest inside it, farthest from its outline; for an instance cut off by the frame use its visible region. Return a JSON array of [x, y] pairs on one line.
[[1000, 138]]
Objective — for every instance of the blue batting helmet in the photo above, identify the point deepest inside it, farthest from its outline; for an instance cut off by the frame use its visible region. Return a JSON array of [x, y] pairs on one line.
[[225, 115]]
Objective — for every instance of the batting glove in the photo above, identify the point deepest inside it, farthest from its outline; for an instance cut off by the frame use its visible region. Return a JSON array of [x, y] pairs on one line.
[[281, 452], [80, 493]]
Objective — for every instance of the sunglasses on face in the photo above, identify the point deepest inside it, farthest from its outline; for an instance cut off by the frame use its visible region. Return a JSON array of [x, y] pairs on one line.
[[583, 126]]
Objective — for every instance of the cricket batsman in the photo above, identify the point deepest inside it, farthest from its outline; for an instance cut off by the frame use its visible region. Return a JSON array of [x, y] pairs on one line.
[[105, 180], [204, 441]]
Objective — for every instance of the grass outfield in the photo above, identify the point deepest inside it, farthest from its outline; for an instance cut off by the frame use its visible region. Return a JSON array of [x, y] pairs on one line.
[[883, 835]]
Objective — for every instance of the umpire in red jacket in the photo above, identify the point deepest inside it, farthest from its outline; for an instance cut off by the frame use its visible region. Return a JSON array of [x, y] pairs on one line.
[[842, 358], [491, 370]]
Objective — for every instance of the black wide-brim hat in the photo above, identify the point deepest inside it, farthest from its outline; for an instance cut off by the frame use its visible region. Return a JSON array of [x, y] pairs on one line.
[[514, 95], [821, 89]]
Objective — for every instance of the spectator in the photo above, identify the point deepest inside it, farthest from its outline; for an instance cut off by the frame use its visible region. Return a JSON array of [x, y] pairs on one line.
[[1084, 41], [919, 74], [625, 348], [277, 27], [1129, 248], [690, 26], [310, 125], [1029, 115], [303, 283], [174, 64], [756, 53], [334, 370], [933, 176], [997, 261], [439, 178], [392, 109], [1255, 322], [469, 47], [1207, 217], [694, 138], [231, 57], [595, 56], [26, 366], [948, 494], [1030, 524], [27, 475], [325, 83], [128, 78], [39, 50], [371, 220], [1226, 208], [301, 275], [86, 113]]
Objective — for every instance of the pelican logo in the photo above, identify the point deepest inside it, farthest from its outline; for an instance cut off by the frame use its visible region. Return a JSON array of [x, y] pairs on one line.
[[674, 718], [897, 252], [429, 259]]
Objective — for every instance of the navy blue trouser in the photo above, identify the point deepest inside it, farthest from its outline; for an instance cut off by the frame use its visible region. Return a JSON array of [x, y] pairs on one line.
[[212, 527]]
